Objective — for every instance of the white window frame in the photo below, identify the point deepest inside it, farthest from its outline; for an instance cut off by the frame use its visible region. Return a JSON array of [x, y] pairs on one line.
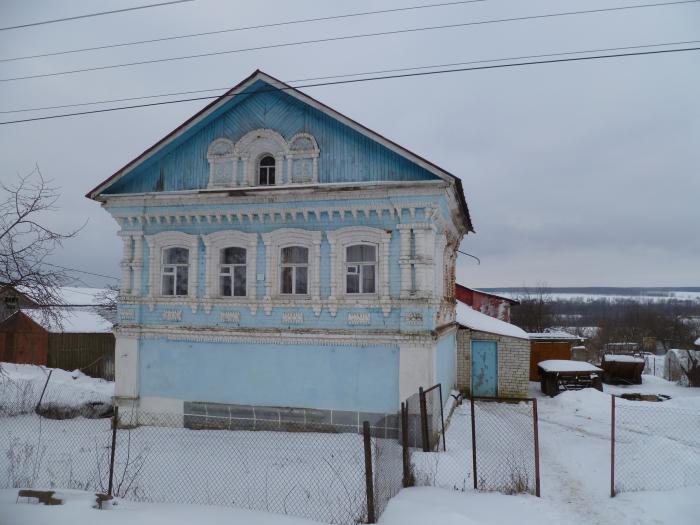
[[361, 271], [231, 272], [294, 267], [173, 270], [157, 244], [257, 144], [340, 240], [284, 238], [214, 243], [267, 168]]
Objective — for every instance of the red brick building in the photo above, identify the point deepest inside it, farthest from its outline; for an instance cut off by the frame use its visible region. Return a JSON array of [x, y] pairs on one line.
[[487, 303]]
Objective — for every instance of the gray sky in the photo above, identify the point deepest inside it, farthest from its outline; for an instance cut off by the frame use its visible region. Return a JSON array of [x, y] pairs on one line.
[[579, 174]]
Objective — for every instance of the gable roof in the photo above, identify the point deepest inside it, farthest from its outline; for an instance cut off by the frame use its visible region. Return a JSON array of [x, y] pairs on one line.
[[259, 75], [489, 294]]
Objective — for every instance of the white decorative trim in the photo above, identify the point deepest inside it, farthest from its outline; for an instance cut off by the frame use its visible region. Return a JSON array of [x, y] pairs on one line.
[[214, 242], [230, 316], [127, 314], [293, 317], [171, 239], [222, 164], [256, 144], [358, 318], [172, 315], [284, 237], [303, 147], [339, 240]]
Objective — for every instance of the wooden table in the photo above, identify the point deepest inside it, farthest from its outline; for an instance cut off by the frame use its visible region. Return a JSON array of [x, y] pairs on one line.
[[558, 375]]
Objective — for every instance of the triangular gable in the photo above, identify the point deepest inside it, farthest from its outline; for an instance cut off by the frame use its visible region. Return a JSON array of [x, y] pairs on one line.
[[225, 102]]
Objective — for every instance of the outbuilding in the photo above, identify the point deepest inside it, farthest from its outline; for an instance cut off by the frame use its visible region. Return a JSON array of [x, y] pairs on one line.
[[493, 356]]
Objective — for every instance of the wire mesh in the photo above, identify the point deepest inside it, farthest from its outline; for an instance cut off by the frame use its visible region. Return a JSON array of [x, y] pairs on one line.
[[504, 444], [657, 447], [387, 468], [307, 473], [435, 420], [64, 441]]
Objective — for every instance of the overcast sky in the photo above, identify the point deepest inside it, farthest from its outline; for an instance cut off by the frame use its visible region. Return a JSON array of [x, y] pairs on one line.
[[578, 174]]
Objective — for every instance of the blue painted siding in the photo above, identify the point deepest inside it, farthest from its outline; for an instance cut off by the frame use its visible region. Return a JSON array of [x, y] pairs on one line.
[[345, 155], [339, 378], [445, 366]]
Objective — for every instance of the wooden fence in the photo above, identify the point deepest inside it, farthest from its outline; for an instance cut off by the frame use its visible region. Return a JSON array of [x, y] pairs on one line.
[[91, 353]]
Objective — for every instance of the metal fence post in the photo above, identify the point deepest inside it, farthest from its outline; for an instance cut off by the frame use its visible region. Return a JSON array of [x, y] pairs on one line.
[[41, 397], [612, 446], [115, 423], [442, 419], [473, 442], [424, 420], [407, 481], [369, 479], [537, 448]]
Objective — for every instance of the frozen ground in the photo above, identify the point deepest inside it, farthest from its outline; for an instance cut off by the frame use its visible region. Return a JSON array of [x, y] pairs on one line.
[[21, 387], [574, 436]]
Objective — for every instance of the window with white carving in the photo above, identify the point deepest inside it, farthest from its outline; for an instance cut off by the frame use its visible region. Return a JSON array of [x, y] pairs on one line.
[[175, 271], [360, 268], [232, 272], [266, 171], [295, 270]]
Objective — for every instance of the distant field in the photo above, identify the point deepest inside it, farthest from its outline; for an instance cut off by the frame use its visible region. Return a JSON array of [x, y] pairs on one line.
[[660, 294]]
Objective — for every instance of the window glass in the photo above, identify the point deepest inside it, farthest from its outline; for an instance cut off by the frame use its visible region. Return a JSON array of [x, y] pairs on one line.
[[360, 268], [266, 171], [175, 271], [294, 271], [232, 272]]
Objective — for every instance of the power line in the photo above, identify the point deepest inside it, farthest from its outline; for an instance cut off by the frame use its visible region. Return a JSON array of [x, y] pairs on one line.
[[81, 271], [243, 28], [340, 38], [357, 80], [101, 13], [375, 72]]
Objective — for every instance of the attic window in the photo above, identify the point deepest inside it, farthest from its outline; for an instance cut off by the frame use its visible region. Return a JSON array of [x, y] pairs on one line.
[[12, 302], [266, 171]]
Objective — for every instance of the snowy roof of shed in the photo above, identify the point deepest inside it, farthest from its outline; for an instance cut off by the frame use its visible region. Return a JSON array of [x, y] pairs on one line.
[[470, 318], [697, 342], [554, 335], [563, 365], [76, 296], [72, 321]]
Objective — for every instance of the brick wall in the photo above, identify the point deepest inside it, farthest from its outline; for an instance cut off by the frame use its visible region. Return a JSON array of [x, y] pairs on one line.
[[513, 362]]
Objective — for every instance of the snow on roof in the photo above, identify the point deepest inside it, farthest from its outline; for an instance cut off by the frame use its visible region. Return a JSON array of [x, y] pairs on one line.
[[470, 318], [697, 342], [77, 296], [554, 335], [562, 365], [622, 358], [72, 321]]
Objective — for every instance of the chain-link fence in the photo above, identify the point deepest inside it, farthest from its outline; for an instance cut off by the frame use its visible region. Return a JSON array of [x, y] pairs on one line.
[[505, 449], [654, 446], [426, 421], [654, 365], [53, 434]]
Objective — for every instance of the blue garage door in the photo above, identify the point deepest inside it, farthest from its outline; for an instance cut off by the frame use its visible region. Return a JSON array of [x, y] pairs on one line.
[[484, 368]]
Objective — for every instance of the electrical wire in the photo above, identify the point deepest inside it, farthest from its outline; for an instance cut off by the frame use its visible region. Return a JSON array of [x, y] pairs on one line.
[[354, 81], [81, 271], [336, 39], [375, 72], [90, 15], [243, 28]]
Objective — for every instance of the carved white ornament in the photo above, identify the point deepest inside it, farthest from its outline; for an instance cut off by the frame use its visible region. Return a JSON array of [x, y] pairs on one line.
[[230, 317], [172, 315], [159, 242], [358, 318], [293, 317]]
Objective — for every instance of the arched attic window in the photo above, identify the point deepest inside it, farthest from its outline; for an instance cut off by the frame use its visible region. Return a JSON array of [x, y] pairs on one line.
[[266, 171]]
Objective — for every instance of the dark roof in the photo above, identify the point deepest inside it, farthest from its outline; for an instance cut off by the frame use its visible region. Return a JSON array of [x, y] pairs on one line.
[[92, 194]]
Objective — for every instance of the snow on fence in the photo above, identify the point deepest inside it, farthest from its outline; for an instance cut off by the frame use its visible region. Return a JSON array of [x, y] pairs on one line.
[[654, 447]]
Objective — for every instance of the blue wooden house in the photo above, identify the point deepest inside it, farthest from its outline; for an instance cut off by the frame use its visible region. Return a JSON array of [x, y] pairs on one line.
[[280, 258]]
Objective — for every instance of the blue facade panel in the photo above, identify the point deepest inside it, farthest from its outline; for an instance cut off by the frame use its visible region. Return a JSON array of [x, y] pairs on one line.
[[358, 378], [345, 154], [445, 357]]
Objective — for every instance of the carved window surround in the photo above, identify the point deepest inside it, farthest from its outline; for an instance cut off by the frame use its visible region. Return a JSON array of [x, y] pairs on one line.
[[282, 238], [172, 239], [339, 240], [214, 243]]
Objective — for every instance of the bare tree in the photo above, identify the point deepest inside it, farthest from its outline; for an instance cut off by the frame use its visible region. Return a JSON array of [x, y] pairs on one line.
[[534, 313], [26, 240]]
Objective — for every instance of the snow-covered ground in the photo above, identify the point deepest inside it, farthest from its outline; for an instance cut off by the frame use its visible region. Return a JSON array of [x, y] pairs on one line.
[[21, 387], [574, 433]]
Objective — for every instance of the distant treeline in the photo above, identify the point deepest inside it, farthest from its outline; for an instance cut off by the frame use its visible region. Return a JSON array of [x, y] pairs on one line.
[[600, 290]]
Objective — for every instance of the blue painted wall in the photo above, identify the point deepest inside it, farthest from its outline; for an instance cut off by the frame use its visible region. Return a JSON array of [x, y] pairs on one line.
[[340, 378], [345, 155], [445, 357]]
